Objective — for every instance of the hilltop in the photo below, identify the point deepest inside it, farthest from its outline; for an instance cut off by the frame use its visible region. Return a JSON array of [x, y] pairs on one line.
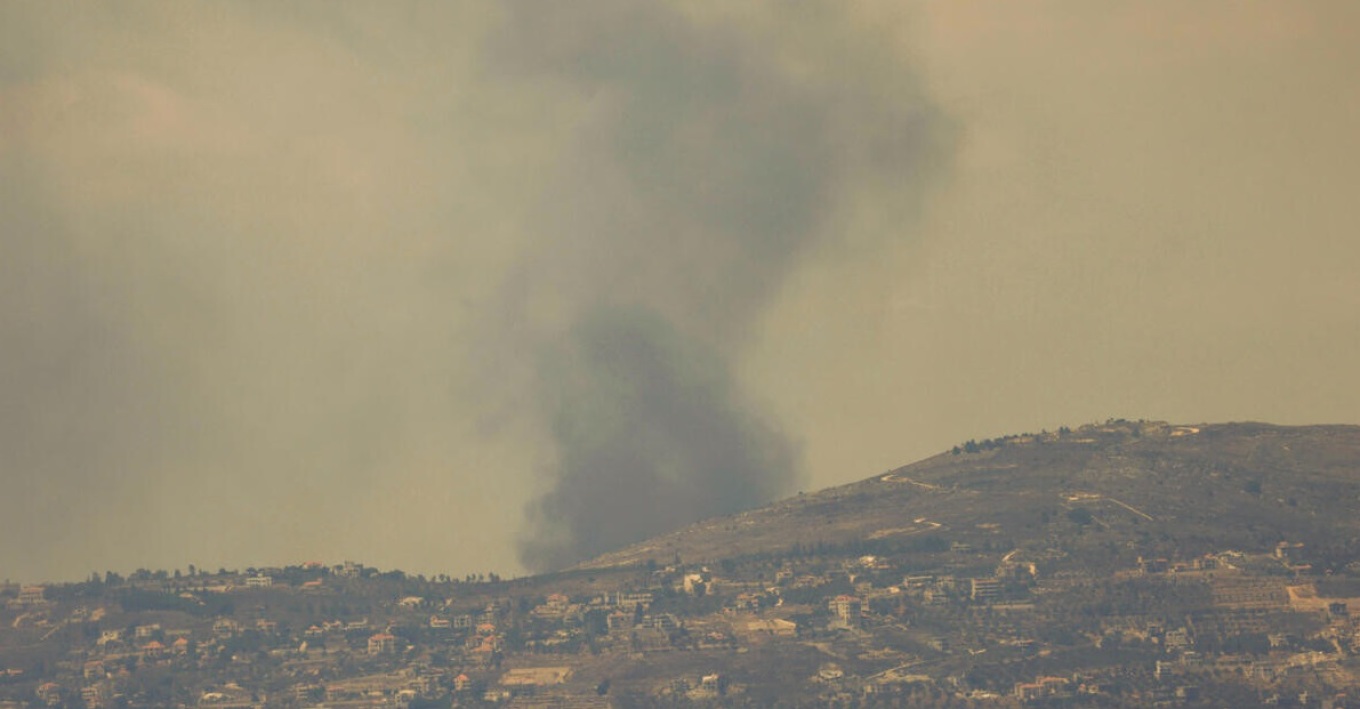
[[1137, 488]]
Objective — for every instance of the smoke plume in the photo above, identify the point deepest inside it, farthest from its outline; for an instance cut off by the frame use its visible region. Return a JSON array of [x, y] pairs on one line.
[[708, 157], [265, 269], [356, 280]]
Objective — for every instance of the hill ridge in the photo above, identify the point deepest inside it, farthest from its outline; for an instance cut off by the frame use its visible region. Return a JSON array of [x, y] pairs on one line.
[[1091, 466]]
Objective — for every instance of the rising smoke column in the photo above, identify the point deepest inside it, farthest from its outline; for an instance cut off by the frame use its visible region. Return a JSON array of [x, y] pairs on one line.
[[650, 433], [707, 158]]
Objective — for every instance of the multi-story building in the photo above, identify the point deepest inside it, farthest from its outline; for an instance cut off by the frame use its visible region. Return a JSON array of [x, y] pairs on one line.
[[382, 644], [848, 610], [983, 589]]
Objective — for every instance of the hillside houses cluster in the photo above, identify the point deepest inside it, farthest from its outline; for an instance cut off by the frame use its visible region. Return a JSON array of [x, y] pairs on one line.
[[350, 636]]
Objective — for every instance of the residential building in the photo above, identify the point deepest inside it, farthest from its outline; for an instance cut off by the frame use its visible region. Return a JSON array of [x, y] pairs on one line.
[[382, 644], [631, 599], [848, 610], [983, 589]]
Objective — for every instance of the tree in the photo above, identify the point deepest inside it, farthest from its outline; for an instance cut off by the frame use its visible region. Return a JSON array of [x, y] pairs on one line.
[[595, 622]]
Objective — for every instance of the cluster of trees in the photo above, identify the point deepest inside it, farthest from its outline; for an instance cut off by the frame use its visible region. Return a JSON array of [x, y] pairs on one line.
[[207, 604], [97, 583], [972, 446], [976, 446]]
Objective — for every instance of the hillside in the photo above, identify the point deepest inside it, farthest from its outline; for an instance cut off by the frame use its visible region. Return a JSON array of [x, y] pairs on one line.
[[1149, 488], [1117, 565]]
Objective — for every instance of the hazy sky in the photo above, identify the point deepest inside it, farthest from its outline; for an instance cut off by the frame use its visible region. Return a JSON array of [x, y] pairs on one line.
[[414, 284]]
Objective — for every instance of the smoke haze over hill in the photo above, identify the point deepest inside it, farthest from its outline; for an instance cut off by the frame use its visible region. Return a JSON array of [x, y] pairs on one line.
[[710, 158], [444, 286]]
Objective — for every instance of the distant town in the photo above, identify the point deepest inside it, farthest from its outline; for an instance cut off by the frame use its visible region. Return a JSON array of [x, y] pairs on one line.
[[1128, 564], [864, 629]]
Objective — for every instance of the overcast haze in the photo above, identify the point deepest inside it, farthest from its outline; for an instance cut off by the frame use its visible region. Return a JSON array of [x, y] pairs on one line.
[[418, 284]]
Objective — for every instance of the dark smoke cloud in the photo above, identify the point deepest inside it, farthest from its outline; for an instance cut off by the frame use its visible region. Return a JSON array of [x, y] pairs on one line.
[[267, 269], [709, 158], [650, 433], [248, 255]]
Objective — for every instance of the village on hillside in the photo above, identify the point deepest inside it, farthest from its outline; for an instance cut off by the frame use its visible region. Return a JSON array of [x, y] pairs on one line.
[[939, 624]]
